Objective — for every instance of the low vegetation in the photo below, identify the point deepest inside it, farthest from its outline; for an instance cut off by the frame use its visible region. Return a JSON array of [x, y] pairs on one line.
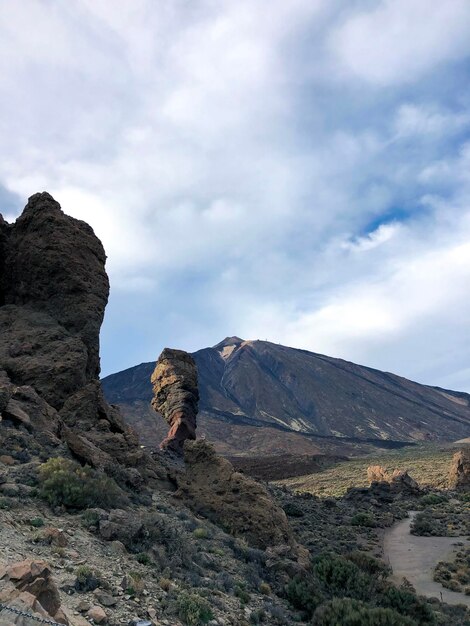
[[455, 575], [428, 464], [444, 519], [63, 482]]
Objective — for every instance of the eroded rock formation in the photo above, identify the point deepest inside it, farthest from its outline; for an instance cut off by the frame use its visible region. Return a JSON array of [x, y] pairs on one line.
[[459, 477], [53, 293], [400, 481], [212, 487], [176, 396]]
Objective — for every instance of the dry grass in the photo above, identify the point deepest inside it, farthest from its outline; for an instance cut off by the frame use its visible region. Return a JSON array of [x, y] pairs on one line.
[[429, 464]]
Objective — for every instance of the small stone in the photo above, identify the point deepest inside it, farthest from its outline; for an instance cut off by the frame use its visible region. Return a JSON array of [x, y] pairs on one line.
[[97, 614]]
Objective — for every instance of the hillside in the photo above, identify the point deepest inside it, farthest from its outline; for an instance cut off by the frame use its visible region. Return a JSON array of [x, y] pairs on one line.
[[261, 397]]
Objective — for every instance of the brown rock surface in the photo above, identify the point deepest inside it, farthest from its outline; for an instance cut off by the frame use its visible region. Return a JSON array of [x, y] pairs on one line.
[[459, 477], [32, 577], [176, 396], [211, 487], [399, 481]]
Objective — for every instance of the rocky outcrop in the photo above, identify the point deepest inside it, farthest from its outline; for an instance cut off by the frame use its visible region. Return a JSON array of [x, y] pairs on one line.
[[400, 481], [53, 293], [176, 396], [55, 264], [29, 585], [459, 477], [242, 506]]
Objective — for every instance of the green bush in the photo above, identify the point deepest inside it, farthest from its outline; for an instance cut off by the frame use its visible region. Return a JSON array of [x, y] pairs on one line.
[[36, 522], [340, 577], [302, 592], [192, 609], [369, 564], [90, 518], [64, 482], [408, 604], [143, 558], [364, 519], [347, 612], [242, 593], [200, 533], [86, 579], [424, 525], [431, 499]]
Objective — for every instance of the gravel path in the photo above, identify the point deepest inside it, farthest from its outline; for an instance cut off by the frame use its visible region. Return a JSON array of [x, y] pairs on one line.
[[414, 558]]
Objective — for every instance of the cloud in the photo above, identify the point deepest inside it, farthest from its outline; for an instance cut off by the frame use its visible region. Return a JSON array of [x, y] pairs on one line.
[[397, 41], [290, 173]]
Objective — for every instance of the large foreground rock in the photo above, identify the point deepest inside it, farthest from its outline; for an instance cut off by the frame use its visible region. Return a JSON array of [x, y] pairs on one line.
[[53, 293], [176, 396]]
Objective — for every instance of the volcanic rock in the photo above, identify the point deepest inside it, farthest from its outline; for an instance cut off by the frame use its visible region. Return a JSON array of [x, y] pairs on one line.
[[53, 292], [211, 487], [460, 469], [176, 396], [31, 577], [55, 264], [400, 481]]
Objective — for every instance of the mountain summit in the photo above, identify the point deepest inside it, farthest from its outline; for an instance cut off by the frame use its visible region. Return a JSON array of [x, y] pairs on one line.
[[268, 397]]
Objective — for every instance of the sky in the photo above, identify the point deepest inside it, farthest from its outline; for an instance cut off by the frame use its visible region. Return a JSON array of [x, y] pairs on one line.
[[292, 171]]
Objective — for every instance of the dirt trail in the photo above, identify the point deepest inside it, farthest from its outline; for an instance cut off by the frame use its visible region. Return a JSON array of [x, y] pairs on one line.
[[415, 557]]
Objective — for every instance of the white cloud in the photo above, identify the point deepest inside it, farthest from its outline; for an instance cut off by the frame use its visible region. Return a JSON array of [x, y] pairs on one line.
[[397, 41]]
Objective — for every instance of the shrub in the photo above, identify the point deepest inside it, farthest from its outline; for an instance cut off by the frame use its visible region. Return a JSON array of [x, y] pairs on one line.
[[86, 579], [165, 583], [257, 616], [64, 482], [242, 593], [292, 509], [302, 593], [5, 503], [136, 584], [200, 533], [265, 589], [340, 577], [90, 518], [192, 609], [431, 499], [369, 564], [36, 522], [363, 519], [143, 558], [423, 525], [349, 612], [407, 604]]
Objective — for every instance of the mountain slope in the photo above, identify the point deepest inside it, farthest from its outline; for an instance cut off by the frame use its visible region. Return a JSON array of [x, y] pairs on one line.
[[256, 394]]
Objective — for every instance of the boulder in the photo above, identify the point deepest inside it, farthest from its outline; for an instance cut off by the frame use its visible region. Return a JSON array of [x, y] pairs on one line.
[[459, 477], [32, 577], [176, 396], [399, 481]]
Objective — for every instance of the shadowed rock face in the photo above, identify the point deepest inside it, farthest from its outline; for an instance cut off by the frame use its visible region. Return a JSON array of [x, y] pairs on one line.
[[55, 264], [176, 396], [53, 293], [460, 469]]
